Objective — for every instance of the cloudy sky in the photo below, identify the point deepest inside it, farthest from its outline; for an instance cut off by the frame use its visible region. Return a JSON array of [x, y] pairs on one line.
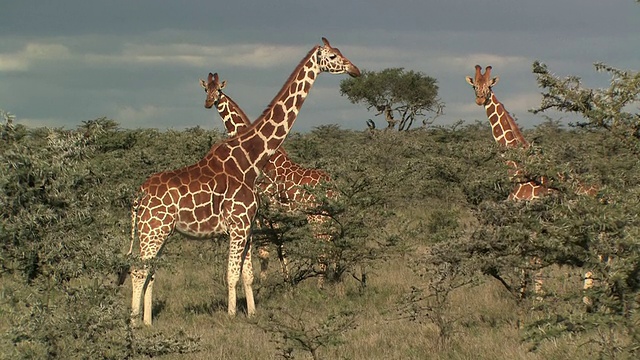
[[138, 62]]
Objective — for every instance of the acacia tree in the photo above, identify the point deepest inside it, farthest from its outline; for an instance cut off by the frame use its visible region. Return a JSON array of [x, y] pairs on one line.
[[410, 94], [601, 108], [609, 115]]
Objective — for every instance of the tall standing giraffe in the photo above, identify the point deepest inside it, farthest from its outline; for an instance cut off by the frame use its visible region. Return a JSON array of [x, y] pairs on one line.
[[507, 133], [216, 195], [283, 182]]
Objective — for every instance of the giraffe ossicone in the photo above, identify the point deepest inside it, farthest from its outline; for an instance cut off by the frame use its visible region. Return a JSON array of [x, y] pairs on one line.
[[217, 194]]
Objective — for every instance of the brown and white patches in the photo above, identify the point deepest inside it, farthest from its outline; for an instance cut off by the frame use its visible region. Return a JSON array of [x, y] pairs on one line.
[[179, 199], [504, 129]]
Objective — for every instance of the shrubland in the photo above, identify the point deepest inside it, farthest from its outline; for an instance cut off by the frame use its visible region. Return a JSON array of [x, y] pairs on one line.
[[426, 258]]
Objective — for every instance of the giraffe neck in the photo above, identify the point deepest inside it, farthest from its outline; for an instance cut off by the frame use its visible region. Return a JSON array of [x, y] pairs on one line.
[[280, 170], [250, 150], [505, 130], [236, 120], [233, 118]]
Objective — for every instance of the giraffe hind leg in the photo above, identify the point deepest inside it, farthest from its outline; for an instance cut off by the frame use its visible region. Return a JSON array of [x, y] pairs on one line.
[[263, 256], [284, 264], [247, 281], [142, 279]]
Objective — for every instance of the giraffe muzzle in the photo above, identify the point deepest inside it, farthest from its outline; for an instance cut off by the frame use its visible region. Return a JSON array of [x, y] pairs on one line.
[[483, 100], [353, 70]]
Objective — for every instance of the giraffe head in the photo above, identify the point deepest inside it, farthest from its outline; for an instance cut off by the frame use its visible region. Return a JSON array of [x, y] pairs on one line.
[[212, 87], [482, 84], [332, 61]]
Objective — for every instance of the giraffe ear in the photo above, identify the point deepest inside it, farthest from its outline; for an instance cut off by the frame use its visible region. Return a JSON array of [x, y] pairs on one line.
[[469, 80], [223, 84], [495, 80], [203, 84]]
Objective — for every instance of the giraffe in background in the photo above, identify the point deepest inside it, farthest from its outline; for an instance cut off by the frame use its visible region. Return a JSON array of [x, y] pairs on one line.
[[216, 195], [284, 181], [507, 134]]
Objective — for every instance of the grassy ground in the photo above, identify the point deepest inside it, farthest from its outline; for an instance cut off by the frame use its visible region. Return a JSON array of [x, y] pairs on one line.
[[190, 300]]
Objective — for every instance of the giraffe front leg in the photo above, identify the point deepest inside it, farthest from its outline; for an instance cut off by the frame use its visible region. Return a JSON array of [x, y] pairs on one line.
[[148, 299], [138, 281], [322, 276], [233, 275], [538, 279], [586, 286], [240, 263]]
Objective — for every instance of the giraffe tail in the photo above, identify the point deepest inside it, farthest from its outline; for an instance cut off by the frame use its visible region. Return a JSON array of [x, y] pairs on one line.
[[122, 276], [134, 218]]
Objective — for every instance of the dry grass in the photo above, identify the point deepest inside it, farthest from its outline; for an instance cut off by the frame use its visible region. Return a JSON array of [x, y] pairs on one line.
[[190, 298]]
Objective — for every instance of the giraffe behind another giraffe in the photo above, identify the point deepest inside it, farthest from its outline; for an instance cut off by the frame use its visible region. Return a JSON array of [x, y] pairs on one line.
[[283, 182], [217, 194]]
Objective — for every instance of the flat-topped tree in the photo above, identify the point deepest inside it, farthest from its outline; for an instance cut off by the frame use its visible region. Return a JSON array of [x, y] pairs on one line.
[[402, 96]]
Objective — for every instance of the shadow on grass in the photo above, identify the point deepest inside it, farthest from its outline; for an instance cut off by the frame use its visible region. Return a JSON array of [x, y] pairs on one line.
[[215, 306], [158, 307]]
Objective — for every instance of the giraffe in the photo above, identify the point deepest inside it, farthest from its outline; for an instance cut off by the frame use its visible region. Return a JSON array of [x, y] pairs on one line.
[[507, 134], [216, 195], [283, 182]]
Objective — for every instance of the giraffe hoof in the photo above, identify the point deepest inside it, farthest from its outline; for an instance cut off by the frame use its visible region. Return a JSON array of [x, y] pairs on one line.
[[135, 323]]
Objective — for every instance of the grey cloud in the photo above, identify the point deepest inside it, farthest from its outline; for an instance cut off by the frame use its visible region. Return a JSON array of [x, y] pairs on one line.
[[443, 39]]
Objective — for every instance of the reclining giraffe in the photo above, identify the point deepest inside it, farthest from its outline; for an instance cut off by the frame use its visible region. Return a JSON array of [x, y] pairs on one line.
[[284, 181], [217, 194]]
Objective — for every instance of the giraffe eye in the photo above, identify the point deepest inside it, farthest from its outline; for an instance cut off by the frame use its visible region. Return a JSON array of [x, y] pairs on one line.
[[333, 56]]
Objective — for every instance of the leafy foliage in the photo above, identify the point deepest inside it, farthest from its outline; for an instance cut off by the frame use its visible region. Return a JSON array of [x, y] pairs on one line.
[[431, 200], [50, 226], [63, 226], [601, 108], [297, 330]]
